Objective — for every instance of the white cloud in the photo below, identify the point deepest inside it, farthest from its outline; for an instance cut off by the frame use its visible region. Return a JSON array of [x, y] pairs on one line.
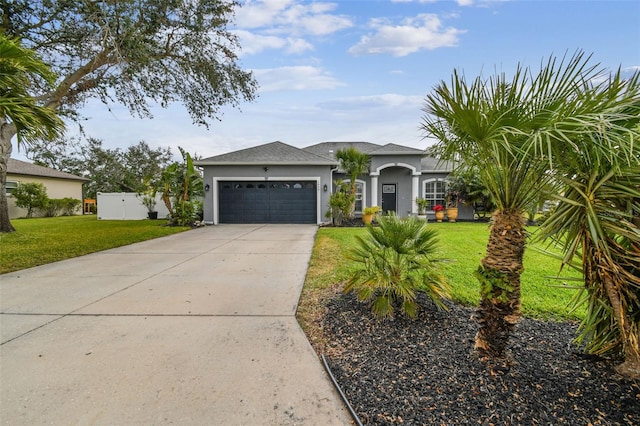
[[291, 17], [413, 1], [424, 32], [298, 45], [259, 13], [295, 78], [322, 24], [253, 43], [285, 24], [384, 101]]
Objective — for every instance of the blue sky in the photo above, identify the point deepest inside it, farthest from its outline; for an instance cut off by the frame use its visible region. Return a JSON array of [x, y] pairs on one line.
[[359, 70]]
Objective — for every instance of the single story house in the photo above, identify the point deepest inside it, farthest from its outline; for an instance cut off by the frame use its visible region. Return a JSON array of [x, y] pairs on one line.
[[279, 183], [58, 184]]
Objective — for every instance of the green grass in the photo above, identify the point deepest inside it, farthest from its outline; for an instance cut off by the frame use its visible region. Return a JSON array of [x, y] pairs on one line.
[[45, 240], [464, 244]]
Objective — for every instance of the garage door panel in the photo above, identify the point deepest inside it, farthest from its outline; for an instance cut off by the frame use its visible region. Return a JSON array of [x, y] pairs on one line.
[[268, 202]]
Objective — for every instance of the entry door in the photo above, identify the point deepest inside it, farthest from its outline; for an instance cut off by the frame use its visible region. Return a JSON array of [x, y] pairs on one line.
[[389, 198]]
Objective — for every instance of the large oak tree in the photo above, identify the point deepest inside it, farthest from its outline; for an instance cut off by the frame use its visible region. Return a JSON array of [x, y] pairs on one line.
[[138, 53]]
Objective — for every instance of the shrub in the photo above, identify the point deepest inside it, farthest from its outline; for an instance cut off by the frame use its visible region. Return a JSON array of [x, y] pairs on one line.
[[30, 196], [51, 207], [70, 205], [60, 206], [186, 213], [394, 262], [371, 210]]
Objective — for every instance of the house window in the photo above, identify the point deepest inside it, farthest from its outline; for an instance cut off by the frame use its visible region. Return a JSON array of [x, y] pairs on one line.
[[434, 192], [359, 195], [359, 192], [11, 186]]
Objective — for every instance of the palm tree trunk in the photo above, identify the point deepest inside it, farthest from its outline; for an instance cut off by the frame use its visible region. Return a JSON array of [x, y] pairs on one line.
[[499, 276], [7, 131], [352, 207], [630, 339]]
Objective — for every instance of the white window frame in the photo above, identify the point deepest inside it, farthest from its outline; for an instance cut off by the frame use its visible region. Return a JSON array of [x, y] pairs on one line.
[[11, 188], [434, 198], [362, 194]]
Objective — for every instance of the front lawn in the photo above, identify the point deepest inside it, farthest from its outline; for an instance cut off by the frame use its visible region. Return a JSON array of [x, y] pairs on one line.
[[464, 244], [424, 370], [45, 240]]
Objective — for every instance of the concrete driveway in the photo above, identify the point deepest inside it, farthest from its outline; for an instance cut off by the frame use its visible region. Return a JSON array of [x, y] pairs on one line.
[[196, 328]]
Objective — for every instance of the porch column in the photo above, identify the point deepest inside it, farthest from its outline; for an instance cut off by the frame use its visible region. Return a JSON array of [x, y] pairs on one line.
[[374, 190], [415, 183]]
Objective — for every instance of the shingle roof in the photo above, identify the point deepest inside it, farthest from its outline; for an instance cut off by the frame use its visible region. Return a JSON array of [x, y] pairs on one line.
[[17, 167], [319, 154], [328, 149], [271, 153], [431, 164], [393, 149]]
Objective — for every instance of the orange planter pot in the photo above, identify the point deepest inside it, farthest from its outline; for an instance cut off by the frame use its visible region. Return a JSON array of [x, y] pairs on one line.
[[452, 214], [439, 216], [367, 219]]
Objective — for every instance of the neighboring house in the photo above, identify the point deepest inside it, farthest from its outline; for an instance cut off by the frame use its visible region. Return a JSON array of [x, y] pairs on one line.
[[58, 184], [279, 183]]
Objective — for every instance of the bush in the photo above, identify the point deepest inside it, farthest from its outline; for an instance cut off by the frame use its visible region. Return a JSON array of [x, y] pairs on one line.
[[186, 213], [60, 206], [51, 207], [30, 196], [70, 206], [394, 262]]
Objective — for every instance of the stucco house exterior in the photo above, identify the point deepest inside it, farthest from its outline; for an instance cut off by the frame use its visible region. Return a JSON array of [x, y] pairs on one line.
[[280, 183], [58, 184]]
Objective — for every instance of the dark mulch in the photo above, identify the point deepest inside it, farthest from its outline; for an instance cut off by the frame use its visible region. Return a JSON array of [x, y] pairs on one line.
[[424, 372]]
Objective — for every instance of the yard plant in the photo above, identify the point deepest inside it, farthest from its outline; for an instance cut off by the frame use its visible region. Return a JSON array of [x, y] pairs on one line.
[[546, 294], [394, 261], [354, 164], [527, 133]]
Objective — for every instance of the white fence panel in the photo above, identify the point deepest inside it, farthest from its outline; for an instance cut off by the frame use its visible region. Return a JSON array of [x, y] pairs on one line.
[[126, 206]]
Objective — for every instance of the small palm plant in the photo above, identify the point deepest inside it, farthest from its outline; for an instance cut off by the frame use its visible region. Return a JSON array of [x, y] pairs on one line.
[[394, 262]]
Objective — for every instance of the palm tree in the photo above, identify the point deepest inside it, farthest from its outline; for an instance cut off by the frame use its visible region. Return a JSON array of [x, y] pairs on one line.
[[597, 161], [354, 163], [395, 261], [489, 125], [20, 113]]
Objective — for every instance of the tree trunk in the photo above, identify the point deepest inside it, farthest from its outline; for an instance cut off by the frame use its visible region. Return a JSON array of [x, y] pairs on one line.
[[352, 207], [499, 276], [630, 339], [7, 131]]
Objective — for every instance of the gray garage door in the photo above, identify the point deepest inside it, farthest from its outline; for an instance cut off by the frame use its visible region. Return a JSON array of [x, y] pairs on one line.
[[267, 202]]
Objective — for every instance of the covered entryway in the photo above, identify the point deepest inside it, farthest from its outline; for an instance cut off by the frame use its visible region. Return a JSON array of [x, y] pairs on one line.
[[263, 201]]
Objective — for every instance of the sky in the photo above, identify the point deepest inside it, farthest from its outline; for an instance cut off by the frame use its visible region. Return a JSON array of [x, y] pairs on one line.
[[359, 70]]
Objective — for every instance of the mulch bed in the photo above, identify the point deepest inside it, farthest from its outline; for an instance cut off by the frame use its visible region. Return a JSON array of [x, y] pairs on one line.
[[425, 372]]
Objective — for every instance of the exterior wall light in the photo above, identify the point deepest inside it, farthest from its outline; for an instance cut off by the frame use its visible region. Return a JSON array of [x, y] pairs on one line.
[[325, 187], [207, 188]]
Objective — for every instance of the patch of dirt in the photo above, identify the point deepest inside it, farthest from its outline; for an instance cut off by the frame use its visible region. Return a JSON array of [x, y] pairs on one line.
[[425, 372]]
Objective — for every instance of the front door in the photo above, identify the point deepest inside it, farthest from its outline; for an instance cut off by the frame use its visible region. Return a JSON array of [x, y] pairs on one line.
[[389, 197]]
